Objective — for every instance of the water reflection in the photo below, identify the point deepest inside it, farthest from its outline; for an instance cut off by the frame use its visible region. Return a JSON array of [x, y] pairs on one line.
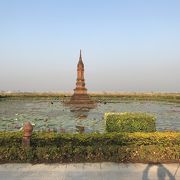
[[81, 112], [80, 129]]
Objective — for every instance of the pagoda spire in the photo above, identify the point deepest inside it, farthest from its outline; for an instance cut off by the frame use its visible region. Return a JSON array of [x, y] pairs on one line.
[[80, 58], [80, 55], [80, 95]]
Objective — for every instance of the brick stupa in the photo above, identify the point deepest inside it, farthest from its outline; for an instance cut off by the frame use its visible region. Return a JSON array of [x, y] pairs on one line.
[[80, 96]]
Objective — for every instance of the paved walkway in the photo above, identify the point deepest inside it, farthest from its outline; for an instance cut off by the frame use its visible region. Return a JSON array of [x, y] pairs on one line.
[[89, 171]]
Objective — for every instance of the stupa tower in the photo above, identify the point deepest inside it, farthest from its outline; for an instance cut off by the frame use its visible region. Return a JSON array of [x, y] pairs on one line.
[[80, 82], [80, 95]]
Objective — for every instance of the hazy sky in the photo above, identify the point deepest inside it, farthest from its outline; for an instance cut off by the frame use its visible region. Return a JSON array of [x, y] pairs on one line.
[[127, 45]]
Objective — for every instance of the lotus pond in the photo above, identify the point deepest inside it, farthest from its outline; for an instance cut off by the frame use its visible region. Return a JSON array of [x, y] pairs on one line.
[[52, 115]]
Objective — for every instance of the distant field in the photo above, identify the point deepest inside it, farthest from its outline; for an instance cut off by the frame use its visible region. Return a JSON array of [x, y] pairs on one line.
[[170, 97], [100, 96]]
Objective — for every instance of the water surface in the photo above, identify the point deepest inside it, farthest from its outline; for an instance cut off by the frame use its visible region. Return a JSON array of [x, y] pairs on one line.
[[48, 115]]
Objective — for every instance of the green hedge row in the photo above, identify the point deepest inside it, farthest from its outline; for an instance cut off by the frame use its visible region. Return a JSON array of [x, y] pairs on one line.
[[130, 122], [115, 147]]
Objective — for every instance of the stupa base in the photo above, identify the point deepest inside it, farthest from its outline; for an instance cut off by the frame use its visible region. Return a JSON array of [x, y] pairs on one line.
[[81, 102], [81, 99]]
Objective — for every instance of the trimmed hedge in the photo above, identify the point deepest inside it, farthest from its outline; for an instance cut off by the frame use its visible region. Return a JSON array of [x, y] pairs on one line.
[[129, 122], [115, 147]]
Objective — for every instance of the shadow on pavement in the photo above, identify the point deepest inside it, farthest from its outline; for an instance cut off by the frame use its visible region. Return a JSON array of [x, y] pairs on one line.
[[162, 173]]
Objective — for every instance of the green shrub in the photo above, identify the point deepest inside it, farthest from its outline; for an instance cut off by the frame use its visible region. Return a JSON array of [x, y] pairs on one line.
[[114, 147], [129, 122]]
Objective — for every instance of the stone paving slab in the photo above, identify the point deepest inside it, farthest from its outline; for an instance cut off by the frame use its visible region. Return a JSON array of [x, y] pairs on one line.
[[89, 171]]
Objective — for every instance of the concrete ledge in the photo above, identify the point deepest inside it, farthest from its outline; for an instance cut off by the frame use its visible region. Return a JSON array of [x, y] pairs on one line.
[[89, 171]]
